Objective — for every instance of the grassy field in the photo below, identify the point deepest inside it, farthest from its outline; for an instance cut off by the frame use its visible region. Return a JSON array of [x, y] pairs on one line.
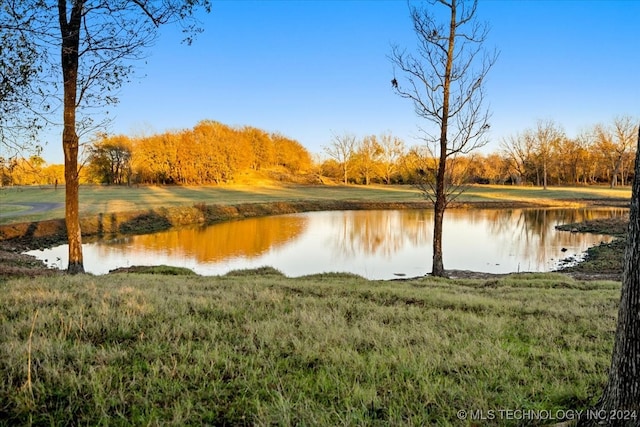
[[261, 349], [94, 200], [257, 348]]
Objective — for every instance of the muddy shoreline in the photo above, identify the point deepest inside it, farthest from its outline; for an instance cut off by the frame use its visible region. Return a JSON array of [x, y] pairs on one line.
[[20, 237]]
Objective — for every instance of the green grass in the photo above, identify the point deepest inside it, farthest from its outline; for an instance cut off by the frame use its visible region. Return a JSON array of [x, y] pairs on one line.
[[256, 348], [96, 200], [12, 208]]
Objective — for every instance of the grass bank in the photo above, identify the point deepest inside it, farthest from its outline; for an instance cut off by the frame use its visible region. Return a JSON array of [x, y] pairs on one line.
[[17, 202], [260, 349], [124, 210], [606, 259]]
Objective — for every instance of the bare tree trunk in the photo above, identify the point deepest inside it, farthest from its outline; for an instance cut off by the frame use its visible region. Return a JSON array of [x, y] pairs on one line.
[[441, 197], [621, 397], [70, 44], [437, 268], [446, 88]]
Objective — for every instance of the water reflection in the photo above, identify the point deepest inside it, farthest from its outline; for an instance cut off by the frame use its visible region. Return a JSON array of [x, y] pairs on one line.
[[374, 244], [248, 238], [381, 233]]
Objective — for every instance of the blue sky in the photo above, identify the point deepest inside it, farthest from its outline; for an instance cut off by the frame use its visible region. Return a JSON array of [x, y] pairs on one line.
[[309, 69]]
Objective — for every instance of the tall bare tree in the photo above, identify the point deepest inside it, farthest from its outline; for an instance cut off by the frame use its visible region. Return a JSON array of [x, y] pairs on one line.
[[546, 137], [620, 402], [445, 80], [93, 46], [342, 149], [392, 150], [615, 143], [367, 156], [518, 150]]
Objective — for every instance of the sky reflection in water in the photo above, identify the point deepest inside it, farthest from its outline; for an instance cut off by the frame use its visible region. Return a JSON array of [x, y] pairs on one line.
[[379, 244]]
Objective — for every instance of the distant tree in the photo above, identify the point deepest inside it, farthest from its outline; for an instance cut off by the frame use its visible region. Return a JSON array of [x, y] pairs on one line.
[[573, 159], [226, 151], [366, 157], [153, 158], [262, 147], [624, 130], [291, 154], [589, 155], [342, 149], [332, 169], [546, 136], [6, 170], [410, 164], [110, 160], [53, 174], [495, 168], [24, 171], [518, 150], [392, 150], [622, 392], [95, 41], [614, 143], [445, 81]]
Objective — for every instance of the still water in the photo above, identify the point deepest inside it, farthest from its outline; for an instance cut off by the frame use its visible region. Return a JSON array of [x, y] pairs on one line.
[[381, 244]]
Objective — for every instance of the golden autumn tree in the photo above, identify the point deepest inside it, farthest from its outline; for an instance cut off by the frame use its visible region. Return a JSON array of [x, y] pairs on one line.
[[291, 154], [367, 158], [110, 160], [392, 150], [91, 45]]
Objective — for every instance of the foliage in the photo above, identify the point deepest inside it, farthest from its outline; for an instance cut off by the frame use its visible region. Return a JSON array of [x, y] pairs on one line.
[[599, 154], [210, 153], [156, 159], [88, 54], [22, 102], [110, 160]]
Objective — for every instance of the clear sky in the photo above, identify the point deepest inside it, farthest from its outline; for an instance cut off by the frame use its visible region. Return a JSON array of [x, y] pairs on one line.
[[308, 69]]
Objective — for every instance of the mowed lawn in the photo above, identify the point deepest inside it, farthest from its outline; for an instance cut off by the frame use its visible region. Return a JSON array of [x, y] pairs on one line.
[[16, 202], [256, 348]]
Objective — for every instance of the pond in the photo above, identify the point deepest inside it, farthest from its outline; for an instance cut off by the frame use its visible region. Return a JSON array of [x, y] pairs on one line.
[[378, 244]]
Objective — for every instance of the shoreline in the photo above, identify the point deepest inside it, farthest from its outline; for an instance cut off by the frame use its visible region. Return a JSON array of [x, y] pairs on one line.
[[20, 237]]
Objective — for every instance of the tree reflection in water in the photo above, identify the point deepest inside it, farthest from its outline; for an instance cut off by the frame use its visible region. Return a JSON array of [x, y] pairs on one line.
[[376, 244], [248, 238]]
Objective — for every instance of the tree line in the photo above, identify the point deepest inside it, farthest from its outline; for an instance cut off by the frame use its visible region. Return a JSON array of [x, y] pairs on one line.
[[210, 153], [541, 155], [214, 153]]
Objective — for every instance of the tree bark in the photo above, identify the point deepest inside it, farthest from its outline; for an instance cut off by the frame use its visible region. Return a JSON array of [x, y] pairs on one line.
[[446, 88], [70, 31], [622, 393], [437, 268], [441, 198]]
